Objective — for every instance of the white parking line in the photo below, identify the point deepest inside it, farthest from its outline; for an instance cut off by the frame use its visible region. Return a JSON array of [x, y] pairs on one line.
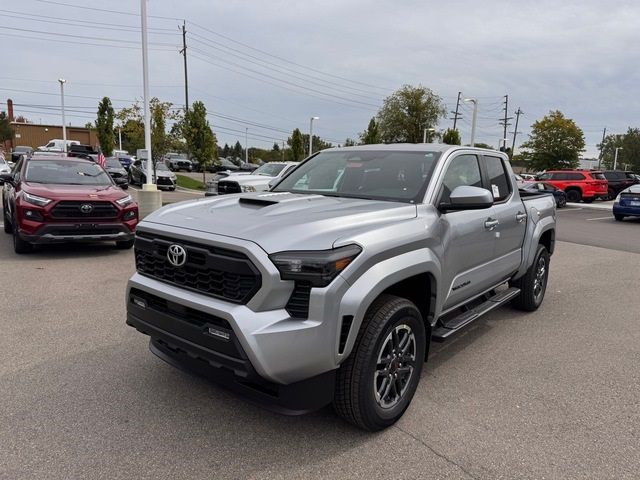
[[599, 218]]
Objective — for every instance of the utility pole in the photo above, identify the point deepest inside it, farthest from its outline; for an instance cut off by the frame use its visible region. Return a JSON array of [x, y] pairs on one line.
[[456, 115], [184, 54], [283, 150], [604, 133], [473, 119], [505, 120], [246, 144], [515, 131], [64, 123]]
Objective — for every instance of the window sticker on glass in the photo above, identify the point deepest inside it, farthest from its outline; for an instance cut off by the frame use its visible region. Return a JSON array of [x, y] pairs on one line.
[[496, 191]]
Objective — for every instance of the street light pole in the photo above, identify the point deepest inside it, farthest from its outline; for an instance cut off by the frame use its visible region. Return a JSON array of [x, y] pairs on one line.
[[424, 136], [473, 121], [311, 134], [246, 144], [64, 124], [615, 158], [149, 185], [119, 138]]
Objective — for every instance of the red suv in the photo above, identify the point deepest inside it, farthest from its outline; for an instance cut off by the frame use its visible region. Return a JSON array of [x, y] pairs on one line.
[[51, 199], [585, 185]]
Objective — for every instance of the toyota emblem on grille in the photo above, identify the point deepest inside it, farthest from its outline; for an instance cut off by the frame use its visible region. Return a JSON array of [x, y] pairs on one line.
[[177, 255], [86, 208]]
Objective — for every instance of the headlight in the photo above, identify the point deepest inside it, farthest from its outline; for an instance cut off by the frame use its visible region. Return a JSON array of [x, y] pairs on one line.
[[172, 176], [124, 201], [36, 200], [317, 267], [248, 188]]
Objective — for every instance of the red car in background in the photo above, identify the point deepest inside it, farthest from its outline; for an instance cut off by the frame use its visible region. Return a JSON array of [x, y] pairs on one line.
[[585, 185], [55, 199]]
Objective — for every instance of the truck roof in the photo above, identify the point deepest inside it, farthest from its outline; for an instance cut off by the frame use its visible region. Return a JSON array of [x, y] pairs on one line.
[[415, 147]]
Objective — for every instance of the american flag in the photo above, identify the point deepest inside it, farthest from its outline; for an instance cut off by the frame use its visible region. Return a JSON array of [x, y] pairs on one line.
[[101, 159]]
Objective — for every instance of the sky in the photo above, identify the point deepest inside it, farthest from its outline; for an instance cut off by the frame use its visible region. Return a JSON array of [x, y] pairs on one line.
[[270, 66]]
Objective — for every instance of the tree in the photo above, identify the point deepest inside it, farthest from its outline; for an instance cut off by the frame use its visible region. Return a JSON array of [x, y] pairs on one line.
[[372, 134], [276, 147], [226, 151], [200, 139], [349, 142], [104, 126], [296, 142], [6, 130], [237, 150], [407, 112], [629, 155], [482, 145], [555, 142], [318, 143], [451, 137]]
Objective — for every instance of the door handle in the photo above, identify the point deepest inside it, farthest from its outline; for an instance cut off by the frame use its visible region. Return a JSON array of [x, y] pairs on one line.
[[490, 223], [521, 217]]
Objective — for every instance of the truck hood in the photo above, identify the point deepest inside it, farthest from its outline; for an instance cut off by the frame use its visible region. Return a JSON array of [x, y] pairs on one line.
[[74, 192], [282, 221]]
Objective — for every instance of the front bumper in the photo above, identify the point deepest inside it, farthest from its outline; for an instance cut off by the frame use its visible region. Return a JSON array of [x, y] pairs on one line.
[[79, 232]]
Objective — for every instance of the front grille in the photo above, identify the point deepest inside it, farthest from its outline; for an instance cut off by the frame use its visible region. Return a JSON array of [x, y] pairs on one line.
[[74, 209], [82, 230], [228, 187], [216, 272], [298, 304], [164, 181], [115, 174]]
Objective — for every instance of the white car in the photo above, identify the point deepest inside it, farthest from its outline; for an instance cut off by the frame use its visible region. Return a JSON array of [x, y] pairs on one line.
[[258, 181], [57, 145], [4, 165]]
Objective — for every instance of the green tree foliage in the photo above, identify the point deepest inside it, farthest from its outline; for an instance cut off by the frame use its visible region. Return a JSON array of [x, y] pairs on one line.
[[629, 156], [226, 151], [483, 145], [6, 131], [451, 137], [276, 147], [372, 134], [200, 139], [407, 112], [104, 126], [555, 142], [296, 142], [349, 142], [318, 143], [237, 150]]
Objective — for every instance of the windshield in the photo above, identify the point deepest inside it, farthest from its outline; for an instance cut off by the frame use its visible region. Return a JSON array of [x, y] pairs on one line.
[[377, 175], [113, 163], [66, 173], [269, 169], [159, 167]]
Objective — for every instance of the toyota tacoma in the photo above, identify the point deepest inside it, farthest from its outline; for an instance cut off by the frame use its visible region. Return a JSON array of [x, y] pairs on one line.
[[329, 287]]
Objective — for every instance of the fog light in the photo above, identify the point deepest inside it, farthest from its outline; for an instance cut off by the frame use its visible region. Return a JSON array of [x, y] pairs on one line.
[[32, 215], [139, 302], [129, 215]]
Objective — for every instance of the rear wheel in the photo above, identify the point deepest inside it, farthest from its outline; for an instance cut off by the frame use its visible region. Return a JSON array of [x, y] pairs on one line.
[[125, 244], [5, 220], [611, 194], [573, 196], [618, 217], [533, 284], [376, 383]]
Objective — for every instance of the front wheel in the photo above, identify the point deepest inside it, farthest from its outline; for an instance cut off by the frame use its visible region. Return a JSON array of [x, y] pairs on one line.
[[20, 245], [533, 284], [7, 224], [376, 383], [619, 218]]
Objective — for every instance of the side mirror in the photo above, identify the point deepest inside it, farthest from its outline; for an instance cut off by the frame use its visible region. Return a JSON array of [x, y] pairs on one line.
[[6, 178], [468, 198]]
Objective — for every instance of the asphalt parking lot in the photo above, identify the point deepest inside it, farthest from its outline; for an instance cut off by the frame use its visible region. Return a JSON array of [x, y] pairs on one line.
[[551, 394]]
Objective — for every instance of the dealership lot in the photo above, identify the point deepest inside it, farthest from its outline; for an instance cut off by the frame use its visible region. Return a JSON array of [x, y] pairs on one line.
[[552, 394]]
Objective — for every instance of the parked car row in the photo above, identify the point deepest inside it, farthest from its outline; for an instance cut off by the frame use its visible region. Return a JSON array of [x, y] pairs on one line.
[[257, 181], [589, 185]]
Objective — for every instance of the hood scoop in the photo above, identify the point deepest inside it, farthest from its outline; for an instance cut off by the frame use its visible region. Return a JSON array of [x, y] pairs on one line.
[[257, 202]]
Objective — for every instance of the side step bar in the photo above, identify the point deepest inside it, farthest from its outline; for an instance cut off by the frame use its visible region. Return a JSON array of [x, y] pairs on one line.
[[454, 324]]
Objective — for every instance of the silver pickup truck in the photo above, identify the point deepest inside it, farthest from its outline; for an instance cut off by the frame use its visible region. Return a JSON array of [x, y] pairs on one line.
[[330, 286]]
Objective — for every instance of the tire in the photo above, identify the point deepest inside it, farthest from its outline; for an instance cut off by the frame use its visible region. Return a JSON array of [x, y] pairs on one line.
[[125, 186], [130, 178], [573, 195], [562, 202], [19, 245], [588, 200], [172, 189], [619, 218], [533, 284], [611, 194], [7, 224], [125, 244], [389, 322]]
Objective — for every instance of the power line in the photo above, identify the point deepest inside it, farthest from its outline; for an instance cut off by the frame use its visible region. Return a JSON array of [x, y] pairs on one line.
[[119, 12], [75, 43]]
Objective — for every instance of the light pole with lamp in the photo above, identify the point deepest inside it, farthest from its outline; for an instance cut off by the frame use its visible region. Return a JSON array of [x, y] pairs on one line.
[[615, 158], [473, 121], [311, 134], [64, 125]]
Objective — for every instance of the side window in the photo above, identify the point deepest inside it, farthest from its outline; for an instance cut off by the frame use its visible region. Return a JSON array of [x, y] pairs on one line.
[[574, 176], [17, 168], [545, 176], [463, 170], [500, 185]]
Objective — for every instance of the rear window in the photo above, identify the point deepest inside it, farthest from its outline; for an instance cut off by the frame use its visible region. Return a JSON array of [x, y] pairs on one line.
[[498, 179], [598, 176]]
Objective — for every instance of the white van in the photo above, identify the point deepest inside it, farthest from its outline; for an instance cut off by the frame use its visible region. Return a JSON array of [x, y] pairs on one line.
[[57, 145]]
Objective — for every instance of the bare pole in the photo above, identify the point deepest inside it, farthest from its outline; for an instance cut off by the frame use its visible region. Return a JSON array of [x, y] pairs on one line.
[[515, 132], [64, 123], [145, 86], [184, 54], [604, 133]]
